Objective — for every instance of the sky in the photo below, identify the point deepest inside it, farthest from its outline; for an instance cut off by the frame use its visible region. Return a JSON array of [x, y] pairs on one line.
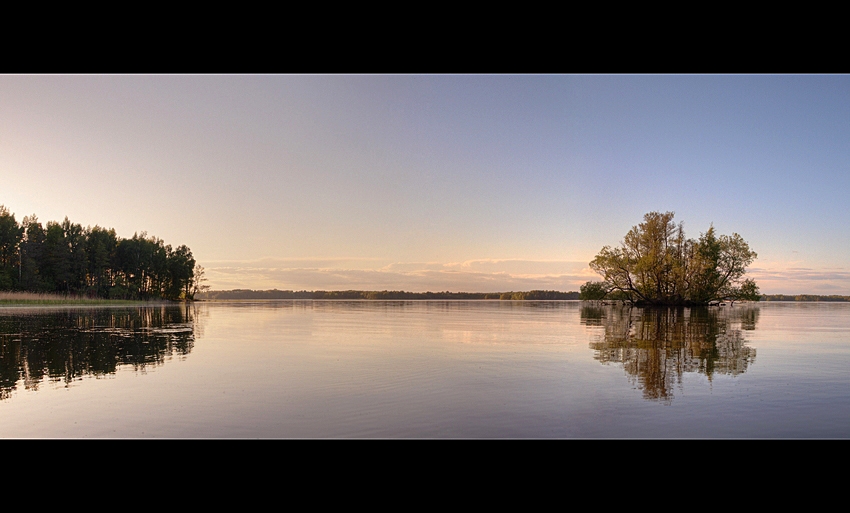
[[479, 183]]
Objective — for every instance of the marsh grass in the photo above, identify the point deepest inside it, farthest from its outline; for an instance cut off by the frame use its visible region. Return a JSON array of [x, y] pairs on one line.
[[38, 298]]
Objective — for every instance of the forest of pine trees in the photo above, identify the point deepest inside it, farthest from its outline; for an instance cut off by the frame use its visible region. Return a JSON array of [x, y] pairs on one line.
[[65, 258]]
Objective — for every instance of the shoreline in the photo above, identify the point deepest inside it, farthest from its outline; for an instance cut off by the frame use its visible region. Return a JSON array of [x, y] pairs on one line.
[[53, 303]]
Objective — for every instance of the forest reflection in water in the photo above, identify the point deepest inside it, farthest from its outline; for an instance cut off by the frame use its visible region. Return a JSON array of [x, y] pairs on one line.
[[64, 345], [657, 346]]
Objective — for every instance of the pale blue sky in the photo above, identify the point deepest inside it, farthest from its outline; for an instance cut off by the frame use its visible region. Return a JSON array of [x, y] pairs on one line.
[[436, 182]]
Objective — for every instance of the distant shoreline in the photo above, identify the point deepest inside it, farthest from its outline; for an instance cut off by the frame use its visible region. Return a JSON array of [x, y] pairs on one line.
[[383, 295], [532, 295], [19, 299]]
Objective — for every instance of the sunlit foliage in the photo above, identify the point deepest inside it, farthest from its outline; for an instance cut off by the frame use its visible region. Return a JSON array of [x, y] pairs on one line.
[[656, 264]]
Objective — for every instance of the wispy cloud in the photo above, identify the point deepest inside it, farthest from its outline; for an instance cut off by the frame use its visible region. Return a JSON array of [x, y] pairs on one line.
[[801, 280], [479, 275]]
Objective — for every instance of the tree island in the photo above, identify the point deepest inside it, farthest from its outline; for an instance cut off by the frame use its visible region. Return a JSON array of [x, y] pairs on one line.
[[656, 265]]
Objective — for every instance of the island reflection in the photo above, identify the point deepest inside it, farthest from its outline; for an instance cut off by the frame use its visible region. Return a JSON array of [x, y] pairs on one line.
[[657, 346], [66, 345]]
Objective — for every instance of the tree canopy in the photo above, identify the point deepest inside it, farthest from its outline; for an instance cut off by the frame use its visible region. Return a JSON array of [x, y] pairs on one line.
[[66, 258], [656, 265]]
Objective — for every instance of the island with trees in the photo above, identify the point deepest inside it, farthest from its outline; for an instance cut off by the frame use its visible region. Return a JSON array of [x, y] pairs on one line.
[[93, 262], [655, 265]]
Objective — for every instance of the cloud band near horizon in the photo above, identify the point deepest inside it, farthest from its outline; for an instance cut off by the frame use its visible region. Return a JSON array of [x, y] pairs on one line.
[[484, 275]]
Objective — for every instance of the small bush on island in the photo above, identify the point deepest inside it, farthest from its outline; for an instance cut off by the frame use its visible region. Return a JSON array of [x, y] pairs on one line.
[[593, 291], [656, 265]]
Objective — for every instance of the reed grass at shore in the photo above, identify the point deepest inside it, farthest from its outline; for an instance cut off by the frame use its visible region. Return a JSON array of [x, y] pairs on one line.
[[38, 298]]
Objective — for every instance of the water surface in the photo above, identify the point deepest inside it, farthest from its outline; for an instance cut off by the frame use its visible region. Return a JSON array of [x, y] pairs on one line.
[[527, 369]]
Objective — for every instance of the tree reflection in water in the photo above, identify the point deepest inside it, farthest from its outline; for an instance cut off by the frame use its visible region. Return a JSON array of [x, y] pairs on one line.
[[657, 346], [65, 345]]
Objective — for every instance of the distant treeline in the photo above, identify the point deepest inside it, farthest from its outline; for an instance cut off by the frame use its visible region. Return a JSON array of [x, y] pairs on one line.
[[401, 294], [803, 297], [66, 258], [384, 294]]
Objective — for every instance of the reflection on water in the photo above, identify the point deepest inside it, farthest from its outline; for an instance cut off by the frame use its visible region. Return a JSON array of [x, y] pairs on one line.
[[68, 344], [657, 346], [426, 369]]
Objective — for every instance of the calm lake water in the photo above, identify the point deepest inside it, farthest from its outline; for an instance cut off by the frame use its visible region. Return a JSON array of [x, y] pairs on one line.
[[459, 369]]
